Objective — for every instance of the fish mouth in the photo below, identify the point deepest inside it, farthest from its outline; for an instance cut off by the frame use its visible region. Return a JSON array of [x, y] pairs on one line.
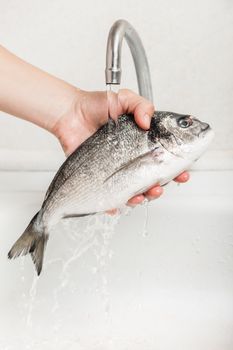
[[204, 128]]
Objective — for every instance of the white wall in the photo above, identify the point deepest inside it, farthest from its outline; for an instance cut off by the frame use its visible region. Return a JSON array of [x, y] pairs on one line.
[[188, 43]]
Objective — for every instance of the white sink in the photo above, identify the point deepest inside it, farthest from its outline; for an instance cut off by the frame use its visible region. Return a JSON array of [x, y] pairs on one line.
[[165, 284]]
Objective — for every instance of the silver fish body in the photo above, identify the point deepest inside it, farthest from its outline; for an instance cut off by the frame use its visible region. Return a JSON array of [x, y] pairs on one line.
[[119, 161]]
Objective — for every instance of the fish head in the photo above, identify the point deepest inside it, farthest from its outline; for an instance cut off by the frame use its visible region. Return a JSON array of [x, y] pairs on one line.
[[182, 135]]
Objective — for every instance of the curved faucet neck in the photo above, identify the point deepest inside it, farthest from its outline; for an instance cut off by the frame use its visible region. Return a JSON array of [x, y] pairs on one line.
[[123, 29]]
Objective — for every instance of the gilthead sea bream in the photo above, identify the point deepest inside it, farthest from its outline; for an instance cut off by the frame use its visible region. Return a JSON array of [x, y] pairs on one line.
[[117, 162]]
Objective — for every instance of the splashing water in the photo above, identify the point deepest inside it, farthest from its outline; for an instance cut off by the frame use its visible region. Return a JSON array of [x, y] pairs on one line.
[[96, 234], [91, 234]]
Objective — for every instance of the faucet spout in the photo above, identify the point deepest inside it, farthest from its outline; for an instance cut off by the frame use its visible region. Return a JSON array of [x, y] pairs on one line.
[[123, 29]]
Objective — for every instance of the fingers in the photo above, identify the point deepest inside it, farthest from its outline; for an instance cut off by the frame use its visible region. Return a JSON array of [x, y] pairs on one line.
[[156, 191], [184, 177], [141, 108], [136, 200], [152, 193]]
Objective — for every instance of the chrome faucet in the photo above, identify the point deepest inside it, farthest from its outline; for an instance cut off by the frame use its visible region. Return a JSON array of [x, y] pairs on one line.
[[118, 31]]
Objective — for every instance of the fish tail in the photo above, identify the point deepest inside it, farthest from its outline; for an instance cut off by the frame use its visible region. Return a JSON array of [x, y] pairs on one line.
[[32, 241]]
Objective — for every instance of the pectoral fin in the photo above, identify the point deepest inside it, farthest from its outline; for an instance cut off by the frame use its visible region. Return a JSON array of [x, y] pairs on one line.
[[69, 216], [133, 164]]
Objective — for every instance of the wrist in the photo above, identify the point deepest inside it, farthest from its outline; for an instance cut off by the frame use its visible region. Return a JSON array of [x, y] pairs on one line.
[[63, 103], [66, 124]]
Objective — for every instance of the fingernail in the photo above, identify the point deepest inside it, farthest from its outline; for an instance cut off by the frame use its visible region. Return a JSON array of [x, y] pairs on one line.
[[147, 120], [186, 176]]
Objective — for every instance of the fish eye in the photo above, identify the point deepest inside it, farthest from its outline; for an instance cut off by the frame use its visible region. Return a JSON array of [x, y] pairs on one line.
[[185, 122]]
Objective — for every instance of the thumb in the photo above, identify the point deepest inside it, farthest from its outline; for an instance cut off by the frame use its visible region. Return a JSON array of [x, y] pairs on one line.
[[140, 107]]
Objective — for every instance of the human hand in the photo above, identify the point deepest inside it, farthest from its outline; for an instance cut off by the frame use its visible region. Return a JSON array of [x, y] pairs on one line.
[[90, 110]]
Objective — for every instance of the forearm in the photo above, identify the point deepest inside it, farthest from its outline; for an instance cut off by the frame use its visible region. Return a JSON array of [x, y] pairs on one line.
[[31, 94]]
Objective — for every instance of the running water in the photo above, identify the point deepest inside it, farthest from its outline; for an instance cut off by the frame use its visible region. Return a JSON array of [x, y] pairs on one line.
[[109, 87], [112, 87], [31, 304], [145, 228]]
